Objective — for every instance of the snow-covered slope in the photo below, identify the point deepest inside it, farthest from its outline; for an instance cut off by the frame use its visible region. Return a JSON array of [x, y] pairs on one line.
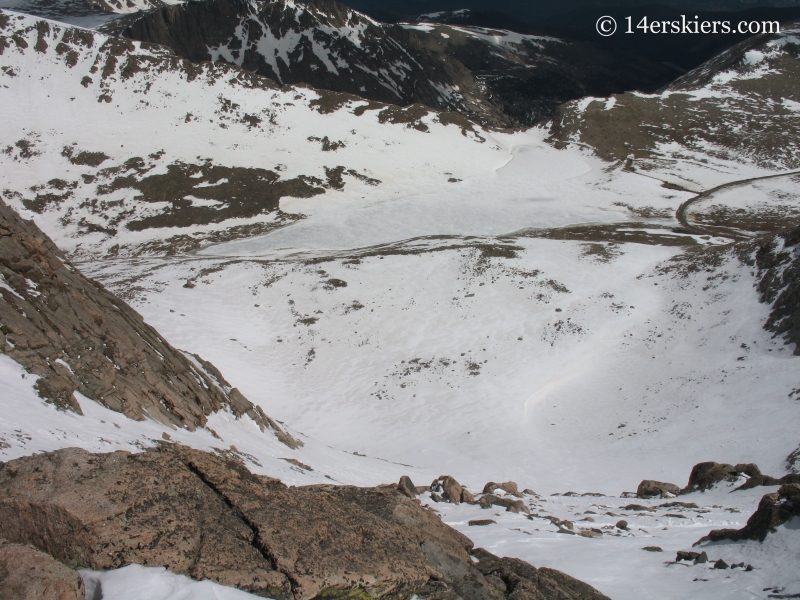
[[418, 291], [498, 78], [321, 43], [85, 13]]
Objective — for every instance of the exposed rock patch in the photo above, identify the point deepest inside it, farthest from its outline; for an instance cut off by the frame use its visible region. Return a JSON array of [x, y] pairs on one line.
[[209, 518], [516, 506], [520, 580], [778, 262]]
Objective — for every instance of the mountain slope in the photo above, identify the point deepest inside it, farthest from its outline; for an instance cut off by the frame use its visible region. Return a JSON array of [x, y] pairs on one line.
[[127, 191], [497, 78], [322, 43], [439, 299], [77, 337], [742, 106], [528, 75]]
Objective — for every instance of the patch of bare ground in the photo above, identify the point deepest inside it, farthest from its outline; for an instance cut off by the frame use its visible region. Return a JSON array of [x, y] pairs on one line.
[[187, 243], [755, 219], [601, 253], [615, 233], [648, 212]]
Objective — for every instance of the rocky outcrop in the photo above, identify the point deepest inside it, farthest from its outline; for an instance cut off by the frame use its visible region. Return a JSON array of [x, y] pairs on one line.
[[778, 262], [451, 490], [773, 510], [651, 489], [78, 337], [707, 474], [490, 500], [519, 580], [407, 487], [208, 517], [764, 480], [27, 574], [793, 462], [509, 487]]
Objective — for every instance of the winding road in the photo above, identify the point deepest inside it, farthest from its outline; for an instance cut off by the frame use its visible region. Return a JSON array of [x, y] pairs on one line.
[[680, 214]]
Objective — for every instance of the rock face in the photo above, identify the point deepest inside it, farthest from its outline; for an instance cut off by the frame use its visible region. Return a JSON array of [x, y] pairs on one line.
[[524, 582], [773, 510], [76, 336], [407, 487], [650, 489], [705, 475], [778, 261], [207, 517], [27, 574]]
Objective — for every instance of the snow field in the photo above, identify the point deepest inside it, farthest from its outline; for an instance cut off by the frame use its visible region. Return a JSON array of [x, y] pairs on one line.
[[628, 367]]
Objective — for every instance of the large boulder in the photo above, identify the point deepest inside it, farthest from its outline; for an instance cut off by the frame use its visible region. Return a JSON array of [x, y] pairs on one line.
[[773, 510], [652, 489], [407, 487], [705, 475], [157, 508], [509, 487], [451, 490], [208, 517], [516, 506], [27, 574]]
